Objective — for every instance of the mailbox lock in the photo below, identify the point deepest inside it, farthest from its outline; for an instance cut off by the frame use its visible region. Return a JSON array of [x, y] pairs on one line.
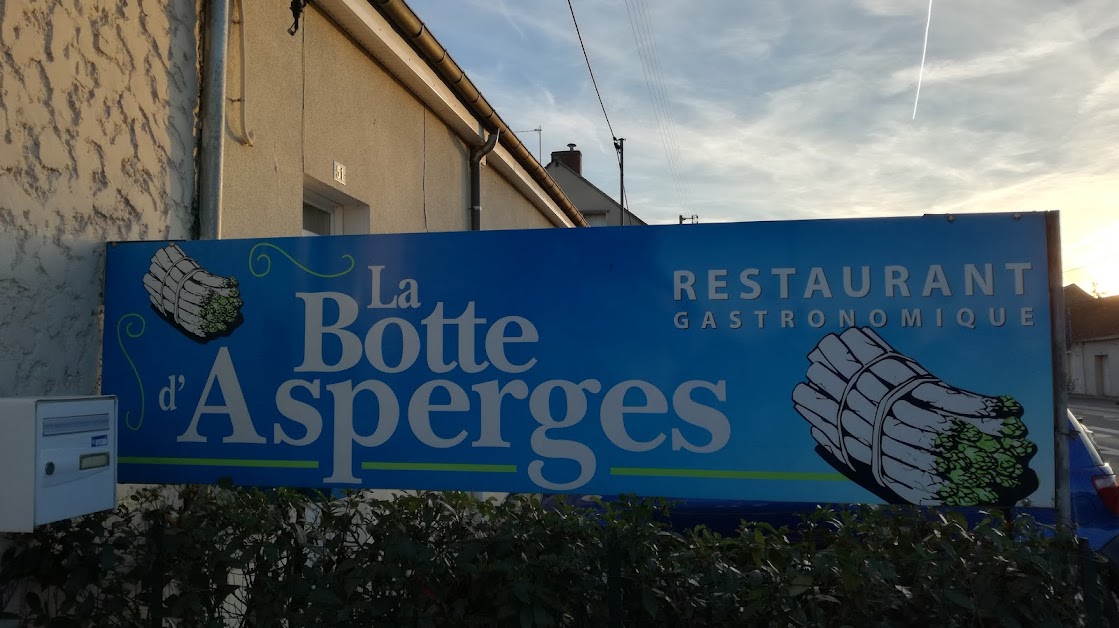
[[50, 468]]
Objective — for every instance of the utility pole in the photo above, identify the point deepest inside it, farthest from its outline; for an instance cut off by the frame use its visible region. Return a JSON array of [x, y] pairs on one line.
[[620, 146]]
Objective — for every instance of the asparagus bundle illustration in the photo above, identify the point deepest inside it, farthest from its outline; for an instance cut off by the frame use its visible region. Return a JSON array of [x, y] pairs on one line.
[[888, 422], [200, 303]]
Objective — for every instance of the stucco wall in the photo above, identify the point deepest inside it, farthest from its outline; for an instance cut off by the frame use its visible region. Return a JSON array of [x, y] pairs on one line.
[[97, 139]]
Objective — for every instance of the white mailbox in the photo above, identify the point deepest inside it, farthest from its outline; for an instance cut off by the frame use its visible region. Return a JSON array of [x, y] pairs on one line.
[[58, 459]]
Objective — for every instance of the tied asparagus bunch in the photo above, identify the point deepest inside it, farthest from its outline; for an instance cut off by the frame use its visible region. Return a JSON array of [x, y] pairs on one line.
[[887, 423], [198, 302]]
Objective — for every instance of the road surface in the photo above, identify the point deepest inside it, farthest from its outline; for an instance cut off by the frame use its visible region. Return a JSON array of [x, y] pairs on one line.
[[1102, 417]]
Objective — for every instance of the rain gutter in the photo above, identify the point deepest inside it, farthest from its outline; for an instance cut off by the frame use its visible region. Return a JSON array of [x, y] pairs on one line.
[[413, 30], [213, 119]]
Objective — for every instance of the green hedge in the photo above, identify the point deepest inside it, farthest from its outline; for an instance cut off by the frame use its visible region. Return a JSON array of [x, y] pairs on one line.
[[209, 556]]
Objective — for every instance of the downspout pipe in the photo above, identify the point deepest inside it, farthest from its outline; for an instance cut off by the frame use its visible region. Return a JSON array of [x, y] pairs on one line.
[[423, 42], [476, 156], [213, 119]]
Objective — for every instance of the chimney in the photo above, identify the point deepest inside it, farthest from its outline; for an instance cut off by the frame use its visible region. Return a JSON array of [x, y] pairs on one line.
[[571, 158]]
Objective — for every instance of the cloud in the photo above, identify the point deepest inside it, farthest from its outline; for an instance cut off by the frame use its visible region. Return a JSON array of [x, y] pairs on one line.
[[884, 7], [510, 18], [803, 110], [1102, 97]]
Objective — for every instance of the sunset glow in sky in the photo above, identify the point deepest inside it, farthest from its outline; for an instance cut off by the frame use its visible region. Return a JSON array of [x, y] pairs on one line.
[[767, 109]]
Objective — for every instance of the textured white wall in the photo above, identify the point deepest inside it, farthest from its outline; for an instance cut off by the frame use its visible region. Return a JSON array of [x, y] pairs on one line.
[[98, 111], [1082, 367]]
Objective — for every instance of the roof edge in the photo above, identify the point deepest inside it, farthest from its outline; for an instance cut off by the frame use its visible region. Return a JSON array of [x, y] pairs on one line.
[[398, 14], [560, 164]]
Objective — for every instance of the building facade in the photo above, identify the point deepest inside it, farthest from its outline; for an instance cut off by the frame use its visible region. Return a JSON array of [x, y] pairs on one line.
[[352, 92], [1093, 343], [183, 119], [97, 143], [599, 209]]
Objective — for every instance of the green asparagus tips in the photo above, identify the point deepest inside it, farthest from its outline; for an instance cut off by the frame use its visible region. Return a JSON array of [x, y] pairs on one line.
[[221, 309], [981, 469], [1013, 428], [1009, 408]]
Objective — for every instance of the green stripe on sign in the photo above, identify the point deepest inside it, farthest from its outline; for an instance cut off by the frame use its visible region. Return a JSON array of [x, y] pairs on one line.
[[222, 462], [719, 474], [434, 466]]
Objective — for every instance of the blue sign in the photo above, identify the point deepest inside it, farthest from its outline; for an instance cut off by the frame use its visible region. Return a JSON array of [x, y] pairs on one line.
[[902, 360]]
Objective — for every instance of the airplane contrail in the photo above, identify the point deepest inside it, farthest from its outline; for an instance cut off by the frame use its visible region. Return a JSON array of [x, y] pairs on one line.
[[924, 50]]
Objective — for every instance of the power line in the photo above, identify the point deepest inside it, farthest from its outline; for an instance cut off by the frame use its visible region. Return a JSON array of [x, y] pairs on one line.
[[640, 25], [666, 105], [645, 68], [589, 70], [619, 142], [673, 147]]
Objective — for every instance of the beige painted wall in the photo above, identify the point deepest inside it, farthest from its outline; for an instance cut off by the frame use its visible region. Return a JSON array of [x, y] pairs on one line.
[[503, 207], [359, 116], [446, 178], [97, 137], [262, 187], [317, 98]]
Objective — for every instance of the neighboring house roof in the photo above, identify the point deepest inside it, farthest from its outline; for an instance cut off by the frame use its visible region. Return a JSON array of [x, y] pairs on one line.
[[606, 199], [416, 33], [1091, 317]]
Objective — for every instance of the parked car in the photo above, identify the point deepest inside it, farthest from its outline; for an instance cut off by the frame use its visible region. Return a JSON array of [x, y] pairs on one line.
[[1095, 503], [1095, 494]]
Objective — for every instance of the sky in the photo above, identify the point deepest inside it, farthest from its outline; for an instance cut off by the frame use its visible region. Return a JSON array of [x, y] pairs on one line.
[[772, 110]]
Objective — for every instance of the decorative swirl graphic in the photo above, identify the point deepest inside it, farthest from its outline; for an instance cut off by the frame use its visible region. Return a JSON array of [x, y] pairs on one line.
[[267, 261], [128, 329]]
